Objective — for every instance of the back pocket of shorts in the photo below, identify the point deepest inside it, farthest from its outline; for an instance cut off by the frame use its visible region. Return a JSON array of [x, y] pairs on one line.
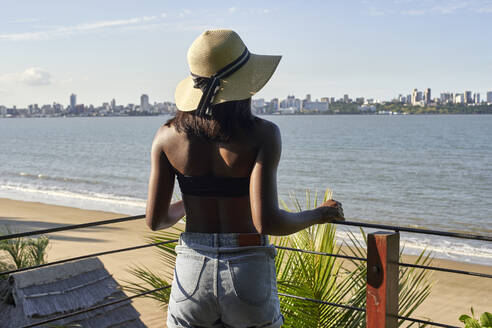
[[187, 272], [251, 277]]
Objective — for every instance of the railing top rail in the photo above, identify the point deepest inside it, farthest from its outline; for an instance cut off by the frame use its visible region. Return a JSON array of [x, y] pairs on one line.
[[126, 249], [477, 274], [71, 227], [347, 223], [416, 230]]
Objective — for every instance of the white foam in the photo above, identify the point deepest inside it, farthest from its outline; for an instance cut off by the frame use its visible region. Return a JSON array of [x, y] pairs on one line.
[[93, 201], [440, 247], [479, 252]]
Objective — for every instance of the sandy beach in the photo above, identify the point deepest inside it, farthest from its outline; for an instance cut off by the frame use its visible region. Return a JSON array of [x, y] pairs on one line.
[[451, 296]]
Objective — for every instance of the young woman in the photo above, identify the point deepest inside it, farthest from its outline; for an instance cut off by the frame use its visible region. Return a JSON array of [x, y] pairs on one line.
[[225, 161]]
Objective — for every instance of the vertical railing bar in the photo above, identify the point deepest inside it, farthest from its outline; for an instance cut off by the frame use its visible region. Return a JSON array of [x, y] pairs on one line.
[[382, 280]]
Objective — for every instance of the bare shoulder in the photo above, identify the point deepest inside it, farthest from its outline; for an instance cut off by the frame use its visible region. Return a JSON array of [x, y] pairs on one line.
[[165, 135], [266, 129]]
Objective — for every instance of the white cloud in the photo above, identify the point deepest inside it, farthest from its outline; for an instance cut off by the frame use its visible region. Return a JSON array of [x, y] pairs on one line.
[[71, 29], [232, 10], [450, 8], [104, 24], [146, 27], [429, 7], [164, 15], [33, 76], [149, 18], [414, 12], [24, 36]]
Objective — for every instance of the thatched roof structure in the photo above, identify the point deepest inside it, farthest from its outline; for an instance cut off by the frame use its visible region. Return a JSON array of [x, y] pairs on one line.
[[48, 292]]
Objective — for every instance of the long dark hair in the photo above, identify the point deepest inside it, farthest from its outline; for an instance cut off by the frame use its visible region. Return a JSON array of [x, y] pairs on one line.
[[225, 121]]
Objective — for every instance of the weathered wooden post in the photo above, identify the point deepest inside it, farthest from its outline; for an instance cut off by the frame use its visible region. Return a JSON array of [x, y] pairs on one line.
[[382, 279]]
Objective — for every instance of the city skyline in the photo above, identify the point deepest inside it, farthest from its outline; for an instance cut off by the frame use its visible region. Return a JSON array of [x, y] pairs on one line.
[[370, 49], [413, 96], [289, 105]]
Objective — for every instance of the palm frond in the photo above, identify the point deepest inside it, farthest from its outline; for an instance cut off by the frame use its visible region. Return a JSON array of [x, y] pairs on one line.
[[337, 281], [22, 252], [147, 279]]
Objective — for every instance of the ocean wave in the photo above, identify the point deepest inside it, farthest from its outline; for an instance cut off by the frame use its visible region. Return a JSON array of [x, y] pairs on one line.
[[57, 178], [85, 200], [440, 247], [479, 252]]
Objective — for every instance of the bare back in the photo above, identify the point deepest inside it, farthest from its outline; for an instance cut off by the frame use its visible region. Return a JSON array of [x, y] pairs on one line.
[[194, 156], [254, 154]]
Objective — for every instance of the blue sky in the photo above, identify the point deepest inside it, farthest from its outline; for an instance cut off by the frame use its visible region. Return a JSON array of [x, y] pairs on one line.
[[121, 49]]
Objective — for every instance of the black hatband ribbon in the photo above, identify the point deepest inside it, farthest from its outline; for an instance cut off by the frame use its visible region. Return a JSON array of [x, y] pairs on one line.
[[211, 85]]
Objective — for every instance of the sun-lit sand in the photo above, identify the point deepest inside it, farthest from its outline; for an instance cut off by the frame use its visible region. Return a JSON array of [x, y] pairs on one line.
[[452, 294]]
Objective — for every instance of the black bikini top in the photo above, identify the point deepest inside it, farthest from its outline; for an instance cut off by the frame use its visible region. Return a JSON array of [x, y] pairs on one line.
[[209, 185]]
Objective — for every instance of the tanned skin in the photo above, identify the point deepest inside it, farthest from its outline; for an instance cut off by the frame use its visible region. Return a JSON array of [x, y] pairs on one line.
[[254, 154]]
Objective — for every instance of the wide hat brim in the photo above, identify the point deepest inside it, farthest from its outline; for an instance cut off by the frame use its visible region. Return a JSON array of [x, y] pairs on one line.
[[243, 84]]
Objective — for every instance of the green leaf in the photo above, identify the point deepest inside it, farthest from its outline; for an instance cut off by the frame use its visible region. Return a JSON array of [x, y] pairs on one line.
[[333, 280], [464, 317], [486, 319]]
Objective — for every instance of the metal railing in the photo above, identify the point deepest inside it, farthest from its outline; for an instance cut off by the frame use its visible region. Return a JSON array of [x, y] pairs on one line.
[[375, 318]]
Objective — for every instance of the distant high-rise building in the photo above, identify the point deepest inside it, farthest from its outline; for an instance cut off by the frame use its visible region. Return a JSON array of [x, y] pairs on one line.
[[113, 104], [459, 98], [73, 101], [489, 97], [427, 96], [476, 98], [274, 103], [308, 97], [346, 98], [409, 99], [446, 97], [325, 99], [414, 96], [419, 96], [468, 97], [144, 103]]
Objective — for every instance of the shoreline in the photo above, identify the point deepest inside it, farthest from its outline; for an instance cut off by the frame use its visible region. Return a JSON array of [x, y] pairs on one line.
[[447, 248], [451, 295], [273, 114]]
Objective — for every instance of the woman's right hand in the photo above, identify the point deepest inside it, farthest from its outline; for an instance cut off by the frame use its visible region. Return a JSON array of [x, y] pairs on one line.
[[331, 210]]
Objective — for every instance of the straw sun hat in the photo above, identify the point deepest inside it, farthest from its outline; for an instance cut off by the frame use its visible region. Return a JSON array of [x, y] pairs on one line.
[[222, 69]]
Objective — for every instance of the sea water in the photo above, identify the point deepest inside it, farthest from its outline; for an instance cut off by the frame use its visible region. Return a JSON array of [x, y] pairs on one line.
[[426, 171]]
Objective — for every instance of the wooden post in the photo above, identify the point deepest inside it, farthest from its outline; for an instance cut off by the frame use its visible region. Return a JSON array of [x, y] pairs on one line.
[[382, 279]]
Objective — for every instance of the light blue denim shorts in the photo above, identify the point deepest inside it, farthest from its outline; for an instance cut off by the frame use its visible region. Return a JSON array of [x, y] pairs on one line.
[[220, 284]]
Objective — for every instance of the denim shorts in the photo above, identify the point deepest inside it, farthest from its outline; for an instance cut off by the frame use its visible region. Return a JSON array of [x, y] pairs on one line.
[[220, 284]]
